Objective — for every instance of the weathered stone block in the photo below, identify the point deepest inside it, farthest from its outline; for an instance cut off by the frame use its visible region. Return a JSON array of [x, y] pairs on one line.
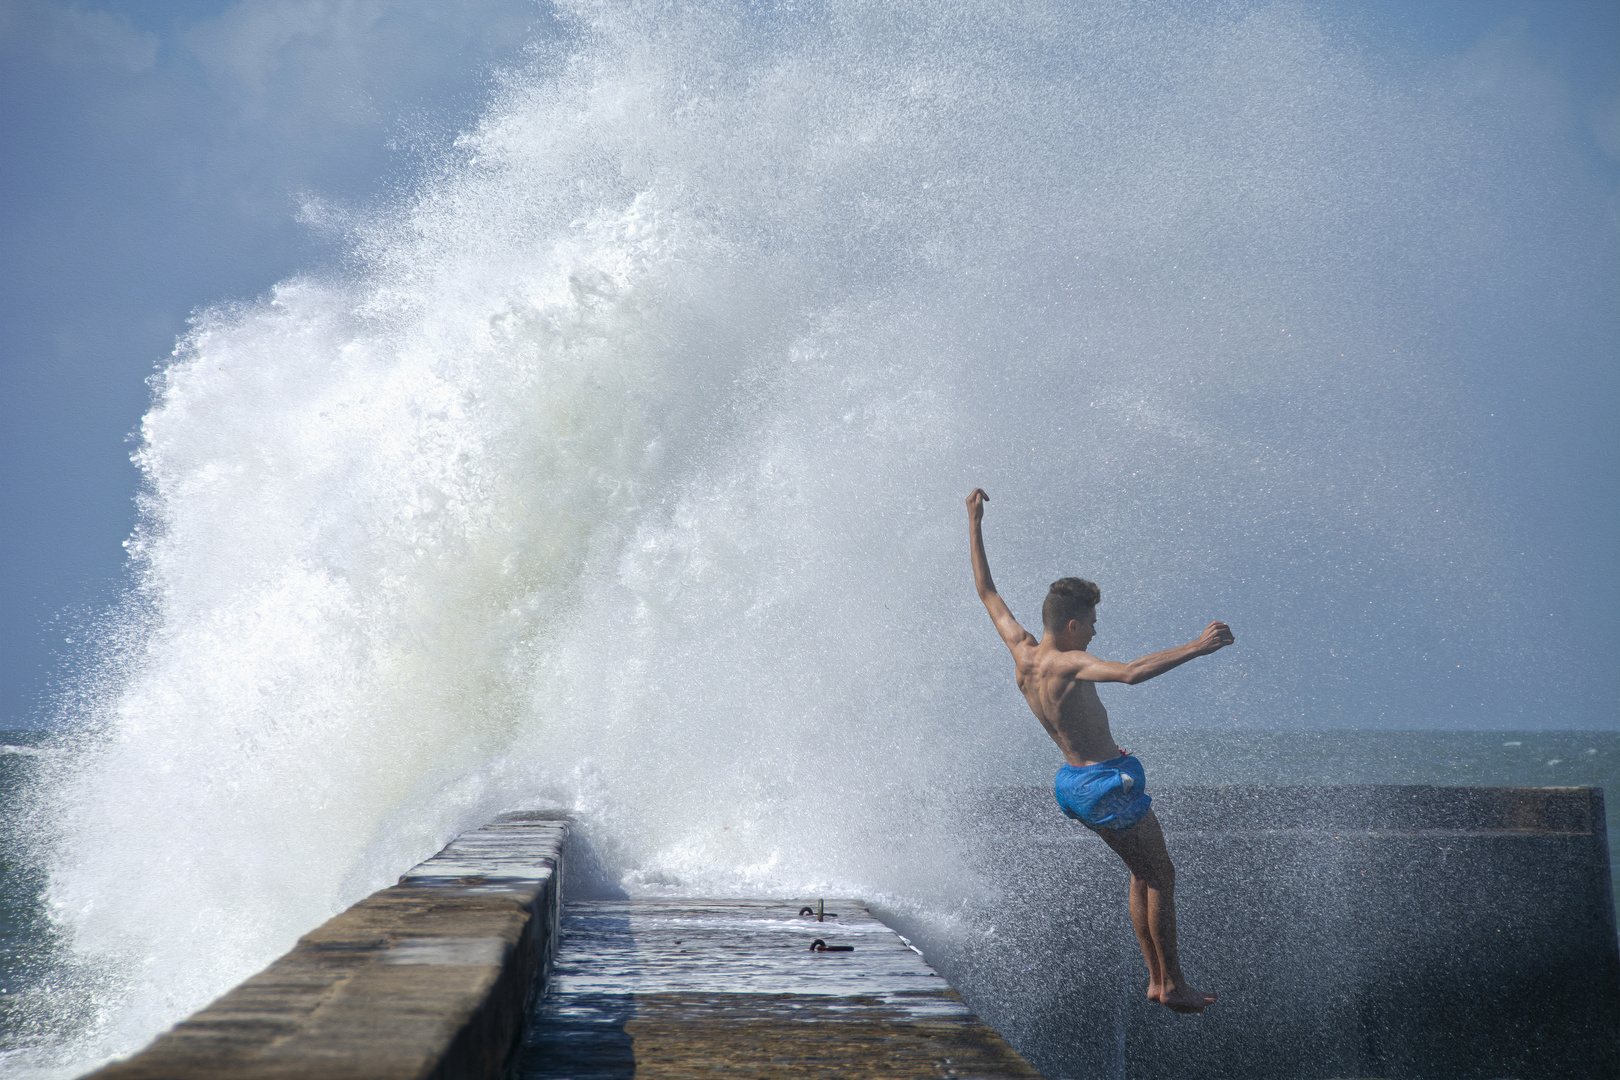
[[426, 980]]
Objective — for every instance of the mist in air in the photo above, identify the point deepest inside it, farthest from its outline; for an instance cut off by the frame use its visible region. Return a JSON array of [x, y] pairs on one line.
[[620, 467]]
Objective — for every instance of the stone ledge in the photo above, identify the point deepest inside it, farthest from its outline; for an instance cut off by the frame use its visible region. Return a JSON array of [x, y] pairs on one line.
[[1355, 807], [1450, 933], [426, 980]]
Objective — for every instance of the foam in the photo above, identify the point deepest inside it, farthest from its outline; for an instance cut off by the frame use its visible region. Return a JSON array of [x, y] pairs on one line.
[[622, 471]]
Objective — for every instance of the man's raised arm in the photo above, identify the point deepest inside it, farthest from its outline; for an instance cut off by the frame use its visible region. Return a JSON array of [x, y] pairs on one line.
[[1216, 636], [1006, 625]]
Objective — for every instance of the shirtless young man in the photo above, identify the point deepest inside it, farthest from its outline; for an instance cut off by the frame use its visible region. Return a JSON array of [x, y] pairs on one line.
[[1102, 785]]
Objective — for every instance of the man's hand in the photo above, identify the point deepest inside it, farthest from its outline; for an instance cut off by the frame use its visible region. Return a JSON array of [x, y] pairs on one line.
[[1014, 635], [975, 505], [1216, 636]]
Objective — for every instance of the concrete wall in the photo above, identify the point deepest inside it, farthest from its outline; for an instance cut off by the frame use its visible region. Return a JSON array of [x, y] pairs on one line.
[[1350, 932], [1390, 932], [430, 978]]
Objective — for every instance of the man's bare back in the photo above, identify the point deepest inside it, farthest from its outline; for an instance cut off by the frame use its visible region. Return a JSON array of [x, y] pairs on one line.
[[1060, 684], [1059, 678]]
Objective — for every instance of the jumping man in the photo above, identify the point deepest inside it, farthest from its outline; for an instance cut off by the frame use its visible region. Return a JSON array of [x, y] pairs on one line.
[[1102, 785]]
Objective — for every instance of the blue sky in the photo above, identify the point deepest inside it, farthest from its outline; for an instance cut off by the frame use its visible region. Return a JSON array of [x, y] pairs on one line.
[[155, 157]]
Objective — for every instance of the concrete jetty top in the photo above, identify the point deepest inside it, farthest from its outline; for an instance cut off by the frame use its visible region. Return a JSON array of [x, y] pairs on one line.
[[697, 988], [455, 974], [429, 978]]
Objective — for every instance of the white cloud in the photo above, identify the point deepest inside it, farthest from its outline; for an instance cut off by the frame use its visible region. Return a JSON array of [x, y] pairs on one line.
[[350, 61], [76, 38], [1504, 68], [323, 51]]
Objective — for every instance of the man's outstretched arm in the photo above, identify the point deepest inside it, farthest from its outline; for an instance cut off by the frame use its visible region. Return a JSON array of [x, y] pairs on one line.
[[1216, 636], [1006, 625]]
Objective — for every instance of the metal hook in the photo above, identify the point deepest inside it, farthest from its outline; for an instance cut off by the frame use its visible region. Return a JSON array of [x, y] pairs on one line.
[[821, 946], [820, 912]]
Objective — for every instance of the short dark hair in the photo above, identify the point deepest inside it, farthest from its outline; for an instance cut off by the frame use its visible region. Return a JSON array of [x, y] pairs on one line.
[[1070, 598]]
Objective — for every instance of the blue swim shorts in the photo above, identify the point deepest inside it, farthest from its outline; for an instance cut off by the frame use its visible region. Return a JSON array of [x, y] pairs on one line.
[[1108, 795]]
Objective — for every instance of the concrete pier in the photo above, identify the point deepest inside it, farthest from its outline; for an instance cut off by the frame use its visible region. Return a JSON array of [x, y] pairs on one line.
[[1411, 932], [427, 979], [469, 970], [1444, 933], [696, 988]]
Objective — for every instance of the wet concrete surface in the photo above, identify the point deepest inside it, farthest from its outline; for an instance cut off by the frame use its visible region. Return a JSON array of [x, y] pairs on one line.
[[709, 988]]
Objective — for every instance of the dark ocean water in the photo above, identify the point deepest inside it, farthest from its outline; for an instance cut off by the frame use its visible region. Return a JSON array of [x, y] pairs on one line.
[[28, 942], [1457, 758], [32, 950]]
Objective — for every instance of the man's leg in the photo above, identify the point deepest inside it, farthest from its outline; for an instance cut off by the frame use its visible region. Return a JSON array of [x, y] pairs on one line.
[[1153, 912], [1150, 951]]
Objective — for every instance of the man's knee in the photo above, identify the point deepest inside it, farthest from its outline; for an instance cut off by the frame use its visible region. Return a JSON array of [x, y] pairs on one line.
[[1158, 874]]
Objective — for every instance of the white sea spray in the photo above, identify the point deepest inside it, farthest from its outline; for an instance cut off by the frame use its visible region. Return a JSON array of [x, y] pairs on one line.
[[622, 470]]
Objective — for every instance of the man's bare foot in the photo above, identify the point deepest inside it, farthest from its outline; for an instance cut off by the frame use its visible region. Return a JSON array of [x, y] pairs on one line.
[[1184, 999]]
